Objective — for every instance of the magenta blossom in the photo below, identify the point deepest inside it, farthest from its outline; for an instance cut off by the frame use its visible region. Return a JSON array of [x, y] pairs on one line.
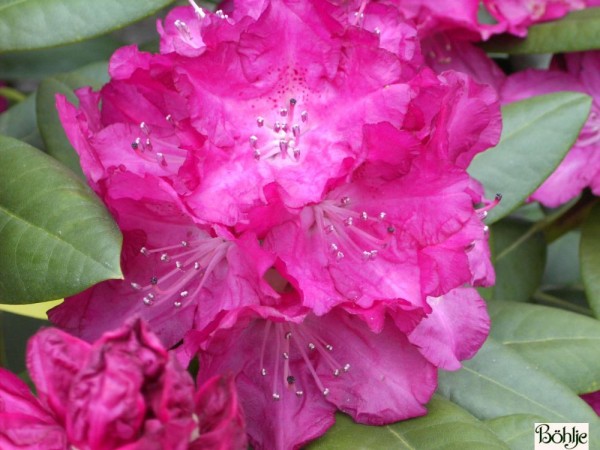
[[516, 16], [292, 167], [295, 369], [581, 167], [241, 163], [124, 392], [461, 18]]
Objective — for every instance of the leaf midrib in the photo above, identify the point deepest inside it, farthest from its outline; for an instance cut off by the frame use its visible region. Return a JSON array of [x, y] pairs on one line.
[[509, 389], [12, 216]]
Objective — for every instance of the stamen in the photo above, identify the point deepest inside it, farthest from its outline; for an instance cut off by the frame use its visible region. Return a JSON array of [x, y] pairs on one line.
[[144, 127], [365, 239], [199, 12], [483, 212], [179, 282]]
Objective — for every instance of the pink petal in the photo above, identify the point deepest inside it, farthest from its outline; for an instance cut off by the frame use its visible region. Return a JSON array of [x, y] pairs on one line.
[[220, 417], [24, 422], [454, 331], [53, 360]]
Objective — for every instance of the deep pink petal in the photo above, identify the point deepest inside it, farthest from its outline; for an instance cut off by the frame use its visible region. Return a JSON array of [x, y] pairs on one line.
[[593, 399], [454, 331], [24, 422], [125, 369], [53, 361], [220, 419], [24, 432]]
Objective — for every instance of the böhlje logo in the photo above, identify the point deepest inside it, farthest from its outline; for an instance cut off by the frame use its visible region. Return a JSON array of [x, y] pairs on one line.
[[561, 436]]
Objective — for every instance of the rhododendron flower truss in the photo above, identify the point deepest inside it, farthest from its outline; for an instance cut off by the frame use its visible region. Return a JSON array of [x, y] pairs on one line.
[[123, 392], [285, 104], [295, 369]]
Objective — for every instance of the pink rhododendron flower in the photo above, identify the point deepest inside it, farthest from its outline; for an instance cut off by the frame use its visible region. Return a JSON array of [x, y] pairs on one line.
[[581, 166], [295, 369], [461, 19], [293, 167], [515, 16], [123, 392]]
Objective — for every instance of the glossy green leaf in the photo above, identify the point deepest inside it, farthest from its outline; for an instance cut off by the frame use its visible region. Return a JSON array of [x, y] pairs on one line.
[[19, 122], [37, 64], [536, 135], [515, 430], [56, 237], [499, 382], [518, 257], [446, 426], [51, 129], [34, 24], [590, 258], [562, 267], [578, 31], [563, 344]]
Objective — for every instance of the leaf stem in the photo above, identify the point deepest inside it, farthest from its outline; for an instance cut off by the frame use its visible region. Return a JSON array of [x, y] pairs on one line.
[[12, 94], [544, 297], [559, 222]]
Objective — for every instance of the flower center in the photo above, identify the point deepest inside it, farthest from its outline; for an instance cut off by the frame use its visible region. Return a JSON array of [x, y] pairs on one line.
[[182, 269], [286, 346], [281, 137], [349, 233], [158, 149]]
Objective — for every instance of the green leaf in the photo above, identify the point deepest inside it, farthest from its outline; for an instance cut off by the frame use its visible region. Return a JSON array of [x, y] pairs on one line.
[[446, 426], [563, 268], [37, 64], [518, 257], [19, 122], [561, 343], [590, 258], [53, 134], [34, 24], [515, 430], [56, 237], [578, 31], [499, 382], [537, 134]]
